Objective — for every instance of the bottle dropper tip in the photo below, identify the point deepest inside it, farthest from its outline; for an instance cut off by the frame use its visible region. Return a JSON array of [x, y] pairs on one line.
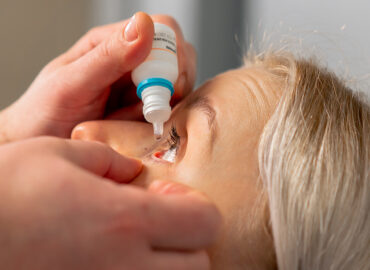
[[158, 130]]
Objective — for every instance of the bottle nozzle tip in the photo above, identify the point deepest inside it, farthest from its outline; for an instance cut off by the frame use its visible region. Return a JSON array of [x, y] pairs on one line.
[[158, 130]]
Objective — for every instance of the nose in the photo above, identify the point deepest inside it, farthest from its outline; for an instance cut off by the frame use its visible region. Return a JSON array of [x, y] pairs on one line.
[[126, 137]]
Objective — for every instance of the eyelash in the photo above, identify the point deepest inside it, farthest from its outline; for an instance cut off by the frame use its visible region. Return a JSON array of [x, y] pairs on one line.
[[174, 139]]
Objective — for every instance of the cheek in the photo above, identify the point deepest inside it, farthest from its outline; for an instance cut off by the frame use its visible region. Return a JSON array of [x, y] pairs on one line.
[[190, 171], [230, 183]]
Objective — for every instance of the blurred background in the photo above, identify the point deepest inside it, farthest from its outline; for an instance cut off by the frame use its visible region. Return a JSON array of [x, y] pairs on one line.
[[337, 31]]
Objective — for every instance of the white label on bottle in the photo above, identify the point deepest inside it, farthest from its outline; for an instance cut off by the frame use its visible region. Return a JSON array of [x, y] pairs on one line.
[[164, 41]]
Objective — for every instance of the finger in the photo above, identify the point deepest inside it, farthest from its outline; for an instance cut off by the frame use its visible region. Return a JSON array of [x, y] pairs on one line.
[[123, 94], [86, 43], [186, 65], [93, 38], [129, 113], [186, 58], [166, 260], [187, 73], [113, 57], [101, 160], [195, 228]]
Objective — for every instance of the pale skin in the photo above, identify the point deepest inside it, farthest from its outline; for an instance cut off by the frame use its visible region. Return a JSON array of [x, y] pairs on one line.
[[220, 161], [66, 204]]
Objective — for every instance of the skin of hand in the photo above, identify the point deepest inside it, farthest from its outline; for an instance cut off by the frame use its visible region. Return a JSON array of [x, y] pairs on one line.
[[86, 82], [82, 220]]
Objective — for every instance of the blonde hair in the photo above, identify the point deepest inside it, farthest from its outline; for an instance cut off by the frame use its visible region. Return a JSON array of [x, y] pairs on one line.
[[314, 163]]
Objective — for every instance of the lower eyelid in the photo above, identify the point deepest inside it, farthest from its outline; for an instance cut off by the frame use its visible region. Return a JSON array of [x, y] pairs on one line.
[[168, 156], [158, 154], [163, 147]]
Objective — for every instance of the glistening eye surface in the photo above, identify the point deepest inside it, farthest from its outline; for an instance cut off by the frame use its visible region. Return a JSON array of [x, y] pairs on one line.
[[172, 145]]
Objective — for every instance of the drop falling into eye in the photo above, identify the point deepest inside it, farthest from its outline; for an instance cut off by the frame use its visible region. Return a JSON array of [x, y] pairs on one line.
[[158, 130]]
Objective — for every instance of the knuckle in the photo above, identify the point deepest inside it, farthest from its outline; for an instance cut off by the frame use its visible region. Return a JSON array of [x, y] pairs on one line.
[[115, 49], [52, 65], [125, 226], [131, 219], [106, 48], [91, 37], [93, 31]]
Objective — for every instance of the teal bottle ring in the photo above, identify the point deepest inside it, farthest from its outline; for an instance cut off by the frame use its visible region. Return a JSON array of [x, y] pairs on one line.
[[152, 82]]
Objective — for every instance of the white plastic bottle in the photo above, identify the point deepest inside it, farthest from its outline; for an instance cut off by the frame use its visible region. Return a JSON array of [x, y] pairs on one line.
[[155, 77]]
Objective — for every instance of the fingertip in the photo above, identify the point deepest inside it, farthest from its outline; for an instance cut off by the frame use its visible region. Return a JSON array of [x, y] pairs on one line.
[[145, 26], [168, 187], [174, 188], [132, 53], [126, 169]]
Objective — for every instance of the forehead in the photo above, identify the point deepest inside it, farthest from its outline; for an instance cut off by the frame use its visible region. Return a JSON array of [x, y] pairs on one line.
[[243, 100], [244, 95]]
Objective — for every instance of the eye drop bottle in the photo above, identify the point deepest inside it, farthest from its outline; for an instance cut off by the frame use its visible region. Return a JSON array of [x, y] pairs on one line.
[[155, 77]]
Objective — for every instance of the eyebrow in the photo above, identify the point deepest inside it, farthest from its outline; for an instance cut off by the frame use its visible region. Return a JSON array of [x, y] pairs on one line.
[[203, 104]]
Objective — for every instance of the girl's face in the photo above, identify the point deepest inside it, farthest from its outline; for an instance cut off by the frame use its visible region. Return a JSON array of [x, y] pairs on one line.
[[211, 144]]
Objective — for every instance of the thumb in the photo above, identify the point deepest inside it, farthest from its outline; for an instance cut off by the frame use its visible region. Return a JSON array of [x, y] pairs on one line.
[[115, 56]]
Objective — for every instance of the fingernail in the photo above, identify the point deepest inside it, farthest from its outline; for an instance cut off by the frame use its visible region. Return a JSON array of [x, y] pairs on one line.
[[131, 30]]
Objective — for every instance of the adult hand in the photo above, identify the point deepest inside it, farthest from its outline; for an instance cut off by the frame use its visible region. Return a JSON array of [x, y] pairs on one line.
[[66, 215], [83, 83]]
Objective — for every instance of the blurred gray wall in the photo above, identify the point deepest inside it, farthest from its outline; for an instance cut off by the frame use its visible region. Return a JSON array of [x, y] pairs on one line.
[[335, 31], [33, 32]]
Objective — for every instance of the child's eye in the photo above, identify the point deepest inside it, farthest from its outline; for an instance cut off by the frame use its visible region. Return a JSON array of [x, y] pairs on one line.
[[174, 139], [173, 142]]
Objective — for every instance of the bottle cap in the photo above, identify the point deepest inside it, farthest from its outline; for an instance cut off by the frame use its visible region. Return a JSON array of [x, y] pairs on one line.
[[156, 109], [154, 82]]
